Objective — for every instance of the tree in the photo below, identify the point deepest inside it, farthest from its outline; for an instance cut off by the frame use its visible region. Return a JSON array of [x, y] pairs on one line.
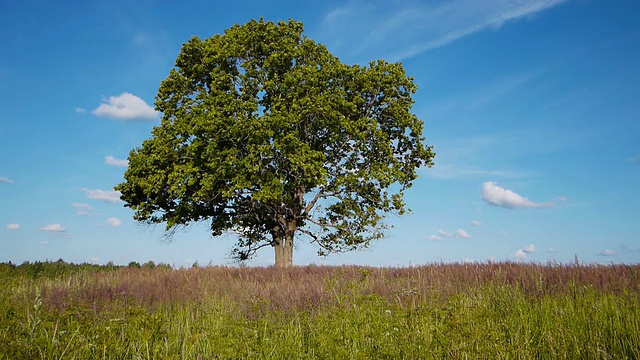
[[266, 134]]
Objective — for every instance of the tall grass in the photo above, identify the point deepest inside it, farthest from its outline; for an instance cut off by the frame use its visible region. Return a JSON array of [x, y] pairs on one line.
[[496, 310]]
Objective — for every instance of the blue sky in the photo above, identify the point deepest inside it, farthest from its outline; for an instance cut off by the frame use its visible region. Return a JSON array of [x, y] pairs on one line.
[[532, 107]]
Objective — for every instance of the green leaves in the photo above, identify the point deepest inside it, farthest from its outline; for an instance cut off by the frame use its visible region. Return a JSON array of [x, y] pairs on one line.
[[265, 132]]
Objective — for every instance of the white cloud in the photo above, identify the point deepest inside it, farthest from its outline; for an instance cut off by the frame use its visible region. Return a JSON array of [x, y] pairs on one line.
[[552, 250], [5, 180], [81, 206], [83, 209], [445, 233], [495, 195], [398, 32], [79, 110], [108, 196], [460, 233], [634, 159], [116, 162], [114, 222], [95, 258], [529, 248], [125, 107], [608, 252], [520, 254], [476, 223], [53, 228], [562, 199], [13, 226]]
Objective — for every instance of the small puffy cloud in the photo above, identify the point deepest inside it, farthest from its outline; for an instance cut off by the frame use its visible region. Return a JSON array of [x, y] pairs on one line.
[[5, 180], [116, 162], [434, 238], [476, 223], [562, 199], [634, 159], [495, 195], [520, 254], [529, 248], [103, 195], [552, 250], [13, 226], [79, 110], [125, 107], [95, 259], [53, 228], [444, 233], [608, 252], [114, 222], [462, 234], [57, 230]]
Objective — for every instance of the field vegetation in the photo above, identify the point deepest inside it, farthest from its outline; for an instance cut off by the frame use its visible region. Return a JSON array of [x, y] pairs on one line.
[[56, 310]]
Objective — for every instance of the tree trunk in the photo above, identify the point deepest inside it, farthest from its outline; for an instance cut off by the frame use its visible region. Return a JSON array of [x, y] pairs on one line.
[[284, 251]]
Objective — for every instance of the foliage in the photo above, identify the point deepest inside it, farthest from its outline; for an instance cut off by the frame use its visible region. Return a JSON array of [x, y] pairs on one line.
[[267, 134], [478, 311], [49, 269]]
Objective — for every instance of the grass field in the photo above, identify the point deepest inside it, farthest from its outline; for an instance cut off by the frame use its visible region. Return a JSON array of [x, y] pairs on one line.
[[457, 311]]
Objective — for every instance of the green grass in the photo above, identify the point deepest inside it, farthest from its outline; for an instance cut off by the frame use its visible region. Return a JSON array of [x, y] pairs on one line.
[[489, 311]]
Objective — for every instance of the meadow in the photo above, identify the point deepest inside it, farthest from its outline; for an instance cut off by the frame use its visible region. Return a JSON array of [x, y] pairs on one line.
[[506, 310]]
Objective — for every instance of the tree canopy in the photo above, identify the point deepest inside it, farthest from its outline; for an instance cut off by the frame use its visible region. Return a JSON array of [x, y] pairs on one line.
[[266, 134]]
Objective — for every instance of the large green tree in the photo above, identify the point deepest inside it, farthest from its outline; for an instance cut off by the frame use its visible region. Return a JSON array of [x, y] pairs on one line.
[[266, 134]]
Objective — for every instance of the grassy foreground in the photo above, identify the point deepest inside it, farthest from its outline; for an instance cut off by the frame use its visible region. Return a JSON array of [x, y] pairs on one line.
[[476, 311]]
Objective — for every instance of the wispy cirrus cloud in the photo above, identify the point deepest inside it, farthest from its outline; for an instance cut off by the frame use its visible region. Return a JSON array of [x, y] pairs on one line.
[[103, 195], [498, 196], [467, 157], [125, 106], [447, 171], [115, 161], [82, 209], [5, 180], [399, 31]]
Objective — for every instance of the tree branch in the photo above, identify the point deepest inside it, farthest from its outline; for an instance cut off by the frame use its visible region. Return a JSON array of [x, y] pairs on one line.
[[313, 202], [320, 224]]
